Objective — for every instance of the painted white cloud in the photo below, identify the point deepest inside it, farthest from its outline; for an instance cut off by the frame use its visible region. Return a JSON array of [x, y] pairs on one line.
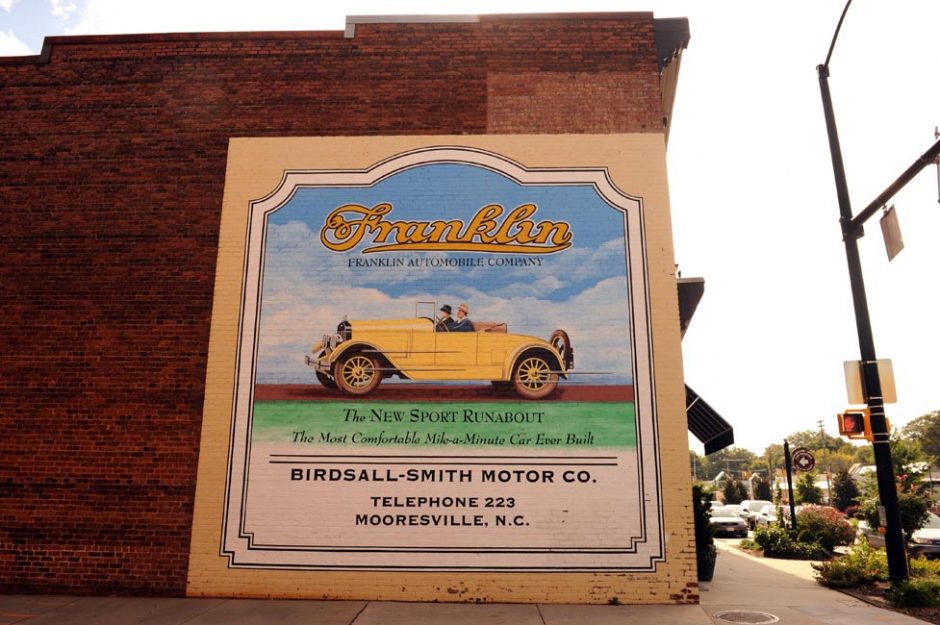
[[294, 316], [304, 298], [291, 260], [7, 5], [10, 45]]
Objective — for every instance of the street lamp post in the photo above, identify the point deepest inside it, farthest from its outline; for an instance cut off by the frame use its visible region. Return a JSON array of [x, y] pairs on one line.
[[894, 540], [852, 230]]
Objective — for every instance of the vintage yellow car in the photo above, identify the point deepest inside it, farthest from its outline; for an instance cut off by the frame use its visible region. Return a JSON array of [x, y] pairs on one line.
[[360, 354]]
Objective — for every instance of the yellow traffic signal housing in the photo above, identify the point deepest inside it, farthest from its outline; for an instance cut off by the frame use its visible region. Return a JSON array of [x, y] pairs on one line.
[[856, 423]]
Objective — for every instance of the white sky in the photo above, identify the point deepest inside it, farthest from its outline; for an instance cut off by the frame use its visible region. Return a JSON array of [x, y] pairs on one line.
[[753, 200]]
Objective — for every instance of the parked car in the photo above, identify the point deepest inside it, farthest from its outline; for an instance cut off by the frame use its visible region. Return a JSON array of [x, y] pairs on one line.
[[360, 354], [727, 522], [924, 542], [768, 515], [749, 508]]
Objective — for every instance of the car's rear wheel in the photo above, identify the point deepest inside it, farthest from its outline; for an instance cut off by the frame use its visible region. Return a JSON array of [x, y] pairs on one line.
[[326, 380], [533, 378], [357, 374]]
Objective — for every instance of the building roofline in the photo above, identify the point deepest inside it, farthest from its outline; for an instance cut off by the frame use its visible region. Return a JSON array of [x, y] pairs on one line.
[[672, 40]]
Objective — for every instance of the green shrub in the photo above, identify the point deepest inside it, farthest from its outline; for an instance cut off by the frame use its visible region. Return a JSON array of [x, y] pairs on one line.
[[863, 564], [915, 593], [826, 526], [922, 567], [749, 544], [839, 574], [913, 508], [778, 543]]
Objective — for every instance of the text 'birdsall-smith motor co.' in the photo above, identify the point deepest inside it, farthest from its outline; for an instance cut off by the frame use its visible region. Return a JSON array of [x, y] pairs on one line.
[[516, 233]]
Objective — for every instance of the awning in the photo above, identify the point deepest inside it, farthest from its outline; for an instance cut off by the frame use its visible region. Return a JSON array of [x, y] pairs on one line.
[[706, 424]]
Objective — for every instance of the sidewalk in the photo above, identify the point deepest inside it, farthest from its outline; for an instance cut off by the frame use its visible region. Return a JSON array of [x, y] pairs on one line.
[[786, 589], [743, 584]]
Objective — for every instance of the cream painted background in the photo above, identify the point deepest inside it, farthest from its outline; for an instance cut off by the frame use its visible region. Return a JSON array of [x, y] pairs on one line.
[[637, 166]]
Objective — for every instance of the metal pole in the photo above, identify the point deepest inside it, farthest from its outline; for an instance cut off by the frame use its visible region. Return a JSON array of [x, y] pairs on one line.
[[789, 466], [936, 135], [927, 158], [894, 540]]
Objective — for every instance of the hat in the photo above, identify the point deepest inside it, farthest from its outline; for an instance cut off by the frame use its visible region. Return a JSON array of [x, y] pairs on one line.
[[446, 308], [464, 308]]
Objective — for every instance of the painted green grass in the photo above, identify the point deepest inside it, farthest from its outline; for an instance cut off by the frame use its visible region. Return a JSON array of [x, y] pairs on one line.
[[563, 425]]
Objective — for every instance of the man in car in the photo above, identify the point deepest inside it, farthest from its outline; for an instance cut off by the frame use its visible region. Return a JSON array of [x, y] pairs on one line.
[[463, 323], [445, 322]]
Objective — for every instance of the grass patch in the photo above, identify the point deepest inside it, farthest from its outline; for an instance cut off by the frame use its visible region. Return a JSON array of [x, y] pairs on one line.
[[546, 425]]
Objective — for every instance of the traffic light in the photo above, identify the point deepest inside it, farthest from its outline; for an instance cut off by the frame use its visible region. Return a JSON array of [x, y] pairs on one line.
[[855, 423]]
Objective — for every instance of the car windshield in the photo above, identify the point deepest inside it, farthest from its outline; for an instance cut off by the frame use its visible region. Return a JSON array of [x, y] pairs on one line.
[[768, 510], [755, 506], [725, 511]]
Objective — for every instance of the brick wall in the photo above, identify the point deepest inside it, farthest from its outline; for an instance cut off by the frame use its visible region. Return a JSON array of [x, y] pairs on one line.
[[111, 175]]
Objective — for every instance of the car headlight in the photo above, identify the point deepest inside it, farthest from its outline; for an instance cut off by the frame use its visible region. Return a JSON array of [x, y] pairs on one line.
[[317, 347]]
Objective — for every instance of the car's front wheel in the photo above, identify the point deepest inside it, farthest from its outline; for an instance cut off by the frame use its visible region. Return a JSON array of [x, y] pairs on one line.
[[357, 374], [533, 378]]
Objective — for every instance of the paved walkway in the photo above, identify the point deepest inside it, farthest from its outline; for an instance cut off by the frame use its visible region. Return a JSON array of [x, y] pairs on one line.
[[742, 583]]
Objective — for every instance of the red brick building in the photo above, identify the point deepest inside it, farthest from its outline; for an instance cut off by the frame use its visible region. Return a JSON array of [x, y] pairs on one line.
[[111, 185]]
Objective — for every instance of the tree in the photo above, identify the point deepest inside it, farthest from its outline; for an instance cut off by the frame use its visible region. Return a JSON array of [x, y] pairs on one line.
[[731, 459], [864, 454], [806, 490], [914, 499], [912, 507], [909, 464], [845, 492], [773, 458], [695, 466], [834, 461], [762, 489], [815, 440], [735, 492], [925, 429]]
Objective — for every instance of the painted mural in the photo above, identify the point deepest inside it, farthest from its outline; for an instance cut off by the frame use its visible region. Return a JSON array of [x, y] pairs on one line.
[[444, 364]]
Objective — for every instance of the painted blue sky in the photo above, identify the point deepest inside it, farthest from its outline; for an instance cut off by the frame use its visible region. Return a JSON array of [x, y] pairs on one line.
[[458, 191], [309, 288]]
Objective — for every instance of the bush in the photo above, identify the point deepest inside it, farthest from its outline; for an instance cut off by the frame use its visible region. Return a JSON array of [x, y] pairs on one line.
[[749, 545], [826, 526], [779, 543], [913, 507], [863, 564], [915, 593], [922, 567], [806, 490], [734, 492], [705, 551], [845, 493]]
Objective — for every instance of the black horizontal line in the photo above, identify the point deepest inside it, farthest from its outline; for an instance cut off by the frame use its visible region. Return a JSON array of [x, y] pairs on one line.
[[449, 457], [500, 464]]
